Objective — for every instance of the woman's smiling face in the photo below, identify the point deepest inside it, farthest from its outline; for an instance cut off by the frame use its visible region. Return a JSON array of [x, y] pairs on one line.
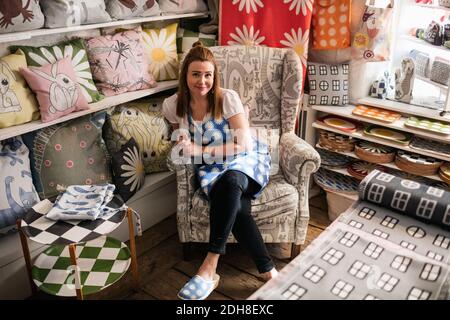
[[200, 78]]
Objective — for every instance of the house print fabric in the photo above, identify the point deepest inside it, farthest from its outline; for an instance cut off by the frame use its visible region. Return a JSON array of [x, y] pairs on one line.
[[17, 103], [20, 15], [56, 89], [76, 51], [328, 84], [371, 252], [118, 63], [331, 24], [17, 192], [267, 23]]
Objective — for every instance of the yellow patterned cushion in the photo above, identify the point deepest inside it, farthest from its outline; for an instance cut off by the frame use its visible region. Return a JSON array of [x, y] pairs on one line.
[[161, 48], [17, 103]]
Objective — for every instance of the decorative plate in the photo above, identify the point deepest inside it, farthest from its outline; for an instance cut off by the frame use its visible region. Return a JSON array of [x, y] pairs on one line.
[[430, 146], [102, 262], [445, 168], [360, 169], [419, 159], [376, 113], [429, 125], [333, 159], [339, 123], [374, 147], [336, 182], [388, 134], [43, 230]]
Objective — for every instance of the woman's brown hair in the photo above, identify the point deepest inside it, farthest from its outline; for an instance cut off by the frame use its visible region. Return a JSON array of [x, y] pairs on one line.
[[199, 53]]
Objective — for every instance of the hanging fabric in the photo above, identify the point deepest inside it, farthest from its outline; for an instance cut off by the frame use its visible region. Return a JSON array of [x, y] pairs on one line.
[[371, 42], [331, 24]]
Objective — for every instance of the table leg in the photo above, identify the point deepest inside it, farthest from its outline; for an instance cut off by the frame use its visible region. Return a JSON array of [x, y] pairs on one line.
[[134, 265], [73, 261], [26, 255]]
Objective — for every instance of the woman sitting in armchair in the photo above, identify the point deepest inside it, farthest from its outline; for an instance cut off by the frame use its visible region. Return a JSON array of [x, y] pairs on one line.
[[231, 166]]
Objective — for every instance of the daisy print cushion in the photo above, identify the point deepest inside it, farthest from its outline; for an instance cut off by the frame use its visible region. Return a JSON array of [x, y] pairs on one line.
[[119, 63], [76, 51]]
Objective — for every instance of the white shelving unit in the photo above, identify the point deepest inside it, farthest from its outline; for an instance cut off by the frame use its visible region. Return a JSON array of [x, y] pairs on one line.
[[93, 107], [439, 85]]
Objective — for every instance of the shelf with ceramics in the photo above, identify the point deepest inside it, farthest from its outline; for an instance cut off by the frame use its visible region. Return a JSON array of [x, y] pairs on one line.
[[424, 43], [24, 35], [399, 124], [103, 104]]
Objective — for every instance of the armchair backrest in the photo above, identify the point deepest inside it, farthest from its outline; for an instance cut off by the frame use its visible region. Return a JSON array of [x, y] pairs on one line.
[[268, 81]]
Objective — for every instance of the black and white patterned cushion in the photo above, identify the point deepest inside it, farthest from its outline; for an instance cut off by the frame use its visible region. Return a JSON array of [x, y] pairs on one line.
[[328, 84]]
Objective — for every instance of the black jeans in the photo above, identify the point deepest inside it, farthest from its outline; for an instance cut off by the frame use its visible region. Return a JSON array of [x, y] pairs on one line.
[[230, 207]]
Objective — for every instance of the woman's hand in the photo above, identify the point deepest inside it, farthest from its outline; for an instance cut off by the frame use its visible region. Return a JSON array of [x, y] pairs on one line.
[[190, 149]]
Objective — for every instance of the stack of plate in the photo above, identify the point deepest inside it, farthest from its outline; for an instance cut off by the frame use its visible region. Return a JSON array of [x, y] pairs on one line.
[[336, 142], [340, 123], [444, 172], [336, 182], [376, 113], [360, 169], [416, 163], [329, 159], [374, 152]]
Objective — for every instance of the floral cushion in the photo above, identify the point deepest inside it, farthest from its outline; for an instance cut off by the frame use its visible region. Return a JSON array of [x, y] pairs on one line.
[[18, 104], [56, 89], [20, 15], [186, 38], [128, 169], [66, 13], [161, 49], [144, 122], [69, 153], [123, 9], [119, 63], [17, 192], [76, 50], [182, 6]]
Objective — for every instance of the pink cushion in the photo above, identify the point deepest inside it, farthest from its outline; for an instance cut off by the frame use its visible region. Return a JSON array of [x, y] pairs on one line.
[[56, 89], [119, 63]]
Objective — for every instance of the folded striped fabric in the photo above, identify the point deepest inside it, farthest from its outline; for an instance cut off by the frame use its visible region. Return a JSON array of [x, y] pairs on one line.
[[83, 202]]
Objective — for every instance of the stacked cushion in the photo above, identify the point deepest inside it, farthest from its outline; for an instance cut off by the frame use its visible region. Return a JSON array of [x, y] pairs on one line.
[[182, 6], [20, 15], [69, 153], [66, 13], [142, 120], [186, 38], [123, 9], [56, 89], [17, 102], [119, 63], [76, 51]]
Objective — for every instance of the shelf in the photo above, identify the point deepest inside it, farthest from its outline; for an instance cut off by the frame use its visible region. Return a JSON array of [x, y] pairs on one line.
[[439, 85], [387, 165], [93, 107], [361, 136], [24, 35], [398, 125], [404, 108], [435, 7], [425, 44]]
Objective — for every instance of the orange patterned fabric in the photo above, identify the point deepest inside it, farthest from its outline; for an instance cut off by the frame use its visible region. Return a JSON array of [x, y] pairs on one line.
[[331, 24]]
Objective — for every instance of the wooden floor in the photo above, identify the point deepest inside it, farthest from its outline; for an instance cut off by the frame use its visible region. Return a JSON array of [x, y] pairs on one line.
[[163, 272]]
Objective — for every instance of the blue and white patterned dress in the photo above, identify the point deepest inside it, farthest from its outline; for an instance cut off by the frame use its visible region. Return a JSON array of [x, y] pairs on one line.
[[216, 132]]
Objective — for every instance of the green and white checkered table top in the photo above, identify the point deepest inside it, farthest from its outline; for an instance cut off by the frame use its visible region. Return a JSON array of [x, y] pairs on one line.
[[427, 124], [101, 262]]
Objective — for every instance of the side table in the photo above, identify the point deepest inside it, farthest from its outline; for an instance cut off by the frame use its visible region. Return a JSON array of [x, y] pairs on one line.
[[81, 259]]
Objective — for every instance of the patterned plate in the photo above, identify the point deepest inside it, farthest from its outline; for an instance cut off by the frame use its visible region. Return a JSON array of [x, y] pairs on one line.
[[445, 168], [388, 134], [339, 123], [360, 169], [429, 125], [336, 182], [376, 113], [333, 159], [43, 230], [430, 146], [419, 159], [102, 262], [374, 147]]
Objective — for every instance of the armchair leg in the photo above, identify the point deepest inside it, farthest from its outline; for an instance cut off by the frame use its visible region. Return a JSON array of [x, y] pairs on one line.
[[187, 251], [295, 250]]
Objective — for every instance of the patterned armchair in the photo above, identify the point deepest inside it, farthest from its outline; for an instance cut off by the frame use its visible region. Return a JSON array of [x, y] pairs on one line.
[[268, 82]]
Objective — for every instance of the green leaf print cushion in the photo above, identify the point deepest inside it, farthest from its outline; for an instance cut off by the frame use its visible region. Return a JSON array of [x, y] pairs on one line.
[[69, 153], [76, 50]]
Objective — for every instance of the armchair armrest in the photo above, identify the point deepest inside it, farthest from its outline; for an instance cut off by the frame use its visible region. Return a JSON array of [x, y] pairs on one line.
[[299, 160], [185, 174]]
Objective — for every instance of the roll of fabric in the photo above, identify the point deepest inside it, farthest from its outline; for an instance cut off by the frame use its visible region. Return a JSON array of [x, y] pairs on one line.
[[417, 200]]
